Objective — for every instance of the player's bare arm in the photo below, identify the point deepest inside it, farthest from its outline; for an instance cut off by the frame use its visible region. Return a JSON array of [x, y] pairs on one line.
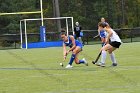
[[109, 34], [64, 51]]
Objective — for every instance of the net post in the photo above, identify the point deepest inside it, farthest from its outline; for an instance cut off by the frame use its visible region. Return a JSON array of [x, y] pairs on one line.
[[41, 13], [72, 25], [67, 26], [21, 41], [26, 42]]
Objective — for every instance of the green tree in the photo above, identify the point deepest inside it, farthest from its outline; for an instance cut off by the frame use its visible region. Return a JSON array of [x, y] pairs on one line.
[[10, 23]]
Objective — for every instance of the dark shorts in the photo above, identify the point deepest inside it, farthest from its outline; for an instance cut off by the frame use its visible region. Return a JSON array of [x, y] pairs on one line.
[[77, 35], [115, 44]]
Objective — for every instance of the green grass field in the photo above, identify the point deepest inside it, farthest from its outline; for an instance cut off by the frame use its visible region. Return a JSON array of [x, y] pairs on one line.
[[38, 71]]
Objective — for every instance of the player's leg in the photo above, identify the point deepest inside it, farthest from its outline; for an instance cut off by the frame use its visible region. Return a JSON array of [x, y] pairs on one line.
[[103, 54], [77, 61], [114, 45], [103, 39], [75, 36], [112, 56], [76, 51], [73, 56], [83, 61]]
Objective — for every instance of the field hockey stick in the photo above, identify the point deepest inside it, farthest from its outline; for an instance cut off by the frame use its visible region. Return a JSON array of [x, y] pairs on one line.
[[61, 63], [96, 60], [96, 36]]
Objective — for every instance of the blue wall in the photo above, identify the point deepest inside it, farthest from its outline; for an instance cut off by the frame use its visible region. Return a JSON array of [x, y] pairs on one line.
[[44, 44]]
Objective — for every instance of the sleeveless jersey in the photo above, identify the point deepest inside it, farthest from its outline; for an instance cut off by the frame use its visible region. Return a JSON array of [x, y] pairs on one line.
[[114, 37], [69, 43]]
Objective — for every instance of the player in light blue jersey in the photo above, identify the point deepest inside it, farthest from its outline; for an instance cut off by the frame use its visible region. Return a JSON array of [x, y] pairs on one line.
[[75, 48], [102, 33]]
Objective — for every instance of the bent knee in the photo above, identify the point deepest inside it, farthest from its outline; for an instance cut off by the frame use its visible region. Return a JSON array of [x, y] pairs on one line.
[[76, 62], [109, 52], [103, 49], [76, 51]]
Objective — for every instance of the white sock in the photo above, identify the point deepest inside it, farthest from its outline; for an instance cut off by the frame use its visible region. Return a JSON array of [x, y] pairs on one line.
[[103, 57], [112, 56]]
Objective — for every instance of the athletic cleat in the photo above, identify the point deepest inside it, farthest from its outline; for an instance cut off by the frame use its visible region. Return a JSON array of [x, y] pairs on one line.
[[100, 64], [86, 63], [69, 66], [114, 64]]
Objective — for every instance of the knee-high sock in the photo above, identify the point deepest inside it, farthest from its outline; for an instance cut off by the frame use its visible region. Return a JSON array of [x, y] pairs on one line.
[[81, 61], [103, 56], [112, 56], [72, 58]]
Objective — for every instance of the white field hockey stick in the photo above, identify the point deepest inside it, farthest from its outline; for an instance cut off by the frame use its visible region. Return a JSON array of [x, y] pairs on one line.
[[96, 36]]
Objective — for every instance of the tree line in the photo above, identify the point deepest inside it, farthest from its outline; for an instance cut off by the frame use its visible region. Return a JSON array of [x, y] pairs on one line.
[[118, 13]]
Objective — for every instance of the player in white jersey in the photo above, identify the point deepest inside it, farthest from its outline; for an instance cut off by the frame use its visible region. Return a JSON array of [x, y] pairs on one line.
[[114, 43]]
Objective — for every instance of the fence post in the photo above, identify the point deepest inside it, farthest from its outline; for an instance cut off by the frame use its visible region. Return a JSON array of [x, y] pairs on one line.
[[131, 35]]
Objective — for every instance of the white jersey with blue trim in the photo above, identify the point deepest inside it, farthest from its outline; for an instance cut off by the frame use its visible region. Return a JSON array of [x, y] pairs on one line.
[[114, 37]]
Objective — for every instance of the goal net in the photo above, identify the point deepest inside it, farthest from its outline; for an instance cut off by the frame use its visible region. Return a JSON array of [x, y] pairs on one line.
[[30, 29]]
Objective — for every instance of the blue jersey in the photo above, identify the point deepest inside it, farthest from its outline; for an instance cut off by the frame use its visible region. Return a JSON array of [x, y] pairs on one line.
[[69, 43], [102, 33]]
